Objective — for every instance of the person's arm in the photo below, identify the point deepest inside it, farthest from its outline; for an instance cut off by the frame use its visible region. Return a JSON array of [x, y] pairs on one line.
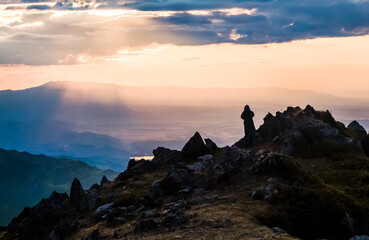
[[243, 115]]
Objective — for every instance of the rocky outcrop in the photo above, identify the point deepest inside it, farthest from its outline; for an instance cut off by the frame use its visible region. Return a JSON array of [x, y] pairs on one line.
[[76, 192], [164, 157], [195, 147], [212, 146], [104, 180], [177, 179], [38, 221], [356, 127]]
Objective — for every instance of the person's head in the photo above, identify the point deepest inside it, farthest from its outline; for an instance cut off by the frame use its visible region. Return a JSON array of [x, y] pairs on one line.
[[247, 108]]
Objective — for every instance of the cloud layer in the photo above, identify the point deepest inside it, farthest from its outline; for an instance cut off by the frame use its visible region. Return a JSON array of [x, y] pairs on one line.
[[36, 32]]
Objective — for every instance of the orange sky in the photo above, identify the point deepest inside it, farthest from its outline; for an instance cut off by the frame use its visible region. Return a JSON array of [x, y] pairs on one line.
[[338, 66]]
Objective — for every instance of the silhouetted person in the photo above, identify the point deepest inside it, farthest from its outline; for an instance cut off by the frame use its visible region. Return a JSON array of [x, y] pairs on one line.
[[248, 123]]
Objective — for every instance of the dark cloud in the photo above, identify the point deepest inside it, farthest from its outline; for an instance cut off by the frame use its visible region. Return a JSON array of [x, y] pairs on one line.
[[81, 33]]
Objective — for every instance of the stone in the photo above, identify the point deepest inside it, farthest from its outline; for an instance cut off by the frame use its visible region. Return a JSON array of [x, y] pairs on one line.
[[355, 126], [104, 180], [212, 147], [195, 147], [154, 197], [231, 159], [76, 192], [278, 230], [102, 210], [164, 157], [177, 178]]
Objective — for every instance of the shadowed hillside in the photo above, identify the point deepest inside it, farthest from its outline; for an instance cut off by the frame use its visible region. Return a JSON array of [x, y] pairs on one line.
[[26, 178]]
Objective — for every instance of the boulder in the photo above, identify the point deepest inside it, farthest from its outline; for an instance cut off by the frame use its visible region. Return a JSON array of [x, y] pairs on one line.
[[211, 146], [102, 210], [195, 147], [164, 157], [154, 197], [177, 178], [104, 180], [76, 192], [355, 126]]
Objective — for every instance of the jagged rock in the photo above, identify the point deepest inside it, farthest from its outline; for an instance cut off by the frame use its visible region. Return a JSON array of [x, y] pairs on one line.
[[164, 157], [273, 126], [176, 179], [195, 147], [76, 192], [231, 159], [212, 147], [33, 222], [145, 225], [133, 162], [355, 126], [104, 180], [95, 235]]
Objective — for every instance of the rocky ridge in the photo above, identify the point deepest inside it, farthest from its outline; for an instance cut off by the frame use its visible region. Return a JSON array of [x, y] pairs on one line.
[[305, 178]]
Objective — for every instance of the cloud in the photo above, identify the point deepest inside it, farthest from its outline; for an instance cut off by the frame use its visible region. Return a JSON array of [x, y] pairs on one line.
[[69, 31]]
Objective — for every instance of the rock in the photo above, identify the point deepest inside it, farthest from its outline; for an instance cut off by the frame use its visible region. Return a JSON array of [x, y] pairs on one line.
[[154, 197], [104, 180], [76, 192], [95, 235], [206, 161], [164, 157], [355, 126], [133, 162], [176, 179], [231, 158], [195, 147], [212, 147], [30, 224], [270, 164], [362, 237], [278, 230], [102, 210], [146, 225]]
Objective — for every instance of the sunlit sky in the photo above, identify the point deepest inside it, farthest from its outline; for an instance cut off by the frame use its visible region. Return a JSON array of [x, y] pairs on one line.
[[313, 45]]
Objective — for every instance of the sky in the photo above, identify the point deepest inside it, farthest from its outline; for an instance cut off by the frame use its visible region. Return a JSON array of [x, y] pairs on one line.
[[298, 44]]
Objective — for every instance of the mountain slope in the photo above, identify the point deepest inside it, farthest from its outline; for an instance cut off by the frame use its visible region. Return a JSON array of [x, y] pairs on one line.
[[26, 178], [306, 177]]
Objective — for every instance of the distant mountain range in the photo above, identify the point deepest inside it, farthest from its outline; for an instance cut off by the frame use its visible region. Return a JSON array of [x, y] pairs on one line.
[[105, 124], [26, 178]]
